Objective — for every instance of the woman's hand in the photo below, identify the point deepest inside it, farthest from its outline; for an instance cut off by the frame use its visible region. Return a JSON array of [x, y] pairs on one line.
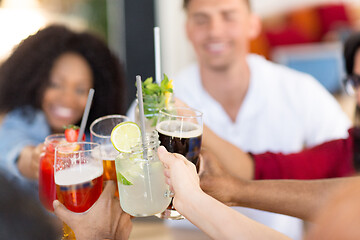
[[104, 220], [181, 176], [29, 161]]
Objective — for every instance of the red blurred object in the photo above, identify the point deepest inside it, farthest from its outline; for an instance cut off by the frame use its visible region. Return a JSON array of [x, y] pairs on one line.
[[47, 189], [80, 197]]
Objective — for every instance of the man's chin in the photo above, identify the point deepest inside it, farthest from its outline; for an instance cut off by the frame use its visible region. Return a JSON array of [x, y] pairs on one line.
[[219, 66]]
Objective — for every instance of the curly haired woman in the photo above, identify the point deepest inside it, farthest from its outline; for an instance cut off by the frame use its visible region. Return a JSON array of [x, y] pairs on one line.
[[44, 86]]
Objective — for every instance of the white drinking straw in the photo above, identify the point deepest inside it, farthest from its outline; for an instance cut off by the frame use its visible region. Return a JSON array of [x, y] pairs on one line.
[[143, 136], [141, 112], [86, 114], [157, 55]]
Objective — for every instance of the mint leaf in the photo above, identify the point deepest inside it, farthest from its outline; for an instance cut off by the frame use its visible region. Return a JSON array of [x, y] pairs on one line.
[[153, 87], [149, 80], [164, 82], [154, 96]]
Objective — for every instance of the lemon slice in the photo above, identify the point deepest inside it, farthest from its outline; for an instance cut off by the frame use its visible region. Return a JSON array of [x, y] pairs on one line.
[[73, 147], [123, 135], [68, 148]]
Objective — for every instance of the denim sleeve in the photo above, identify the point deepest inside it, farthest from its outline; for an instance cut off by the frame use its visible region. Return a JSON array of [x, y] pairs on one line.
[[15, 134]]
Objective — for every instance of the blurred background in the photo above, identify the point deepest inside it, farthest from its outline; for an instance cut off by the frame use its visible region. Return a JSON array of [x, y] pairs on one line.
[[304, 34]]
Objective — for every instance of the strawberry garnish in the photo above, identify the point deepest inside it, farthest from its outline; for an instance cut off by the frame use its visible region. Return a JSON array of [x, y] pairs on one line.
[[72, 133]]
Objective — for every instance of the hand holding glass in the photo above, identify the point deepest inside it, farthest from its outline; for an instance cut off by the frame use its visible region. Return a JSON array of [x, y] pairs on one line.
[[180, 131]]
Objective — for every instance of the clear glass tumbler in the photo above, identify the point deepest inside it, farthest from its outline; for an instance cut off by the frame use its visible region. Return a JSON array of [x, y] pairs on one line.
[[141, 180]]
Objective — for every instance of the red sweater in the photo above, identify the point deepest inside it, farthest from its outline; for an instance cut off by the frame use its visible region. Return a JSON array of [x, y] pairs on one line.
[[328, 160]]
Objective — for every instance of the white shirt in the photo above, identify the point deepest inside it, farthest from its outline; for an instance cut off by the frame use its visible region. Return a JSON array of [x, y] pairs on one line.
[[283, 111]]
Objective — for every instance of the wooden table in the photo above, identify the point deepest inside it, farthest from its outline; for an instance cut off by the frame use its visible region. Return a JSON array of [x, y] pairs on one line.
[[152, 228]]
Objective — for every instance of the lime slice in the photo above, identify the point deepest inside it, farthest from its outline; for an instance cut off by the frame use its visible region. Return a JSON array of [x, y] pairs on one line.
[[129, 169], [121, 179], [123, 135]]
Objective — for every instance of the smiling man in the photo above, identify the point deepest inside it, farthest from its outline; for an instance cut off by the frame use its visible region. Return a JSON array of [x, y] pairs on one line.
[[253, 103]]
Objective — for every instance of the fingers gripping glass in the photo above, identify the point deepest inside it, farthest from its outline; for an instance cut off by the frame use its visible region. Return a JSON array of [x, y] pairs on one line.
[[180, 131], [351, 82]]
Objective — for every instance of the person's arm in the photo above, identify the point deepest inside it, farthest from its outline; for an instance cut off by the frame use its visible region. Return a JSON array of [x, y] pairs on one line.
[[337, 217], [104, 220], [211, 216], [328, 160], [296, 198], [29, 161], [235, 161], [19, 144]]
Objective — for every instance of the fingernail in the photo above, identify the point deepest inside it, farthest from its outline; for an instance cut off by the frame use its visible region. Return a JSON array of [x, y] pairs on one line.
[[56, 203], [162, 150]]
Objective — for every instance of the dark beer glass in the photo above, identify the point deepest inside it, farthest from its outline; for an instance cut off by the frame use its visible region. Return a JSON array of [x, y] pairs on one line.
[[180, 131]]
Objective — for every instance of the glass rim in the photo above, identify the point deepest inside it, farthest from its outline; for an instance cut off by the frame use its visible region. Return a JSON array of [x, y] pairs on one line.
[[138, 160], [54, 136], [150, 138], [197, 112], [72, 143], [96, 121]]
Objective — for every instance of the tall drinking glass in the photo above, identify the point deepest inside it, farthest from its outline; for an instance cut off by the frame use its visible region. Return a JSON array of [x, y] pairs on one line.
[[78, 177], [47, 189], [141, 180], [100, 131], [180, 131]]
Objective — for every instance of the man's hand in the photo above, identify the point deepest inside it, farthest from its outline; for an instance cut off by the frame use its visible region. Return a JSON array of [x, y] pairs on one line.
[[104, 220], [216, 181]]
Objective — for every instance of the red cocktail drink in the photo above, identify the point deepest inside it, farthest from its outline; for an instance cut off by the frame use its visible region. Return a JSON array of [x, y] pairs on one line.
[[47, 188]]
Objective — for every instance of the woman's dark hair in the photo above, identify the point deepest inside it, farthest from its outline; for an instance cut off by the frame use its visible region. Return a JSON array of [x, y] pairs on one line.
[[24, 76], [352, 45]]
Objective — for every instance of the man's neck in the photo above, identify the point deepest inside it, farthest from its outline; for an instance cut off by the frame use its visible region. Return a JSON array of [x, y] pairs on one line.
[[228, 87]]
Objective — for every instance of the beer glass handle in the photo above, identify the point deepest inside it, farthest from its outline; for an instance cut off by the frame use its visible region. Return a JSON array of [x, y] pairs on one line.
[[169, 194]]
